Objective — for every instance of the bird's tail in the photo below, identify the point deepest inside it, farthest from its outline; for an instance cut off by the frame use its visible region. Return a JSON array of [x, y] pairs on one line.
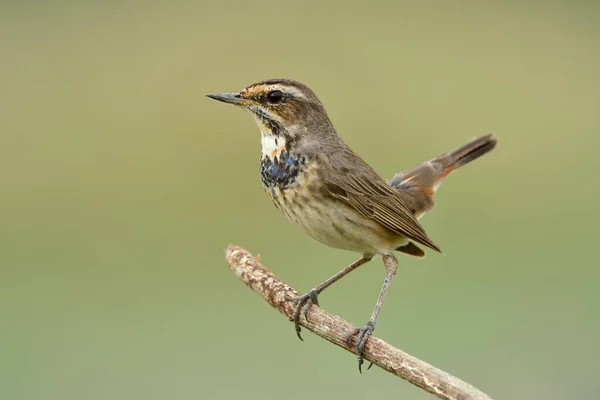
[[426, 178], [465, 153], [421, 182]]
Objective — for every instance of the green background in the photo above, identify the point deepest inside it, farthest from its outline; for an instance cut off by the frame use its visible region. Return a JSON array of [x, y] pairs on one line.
[[121, 186]]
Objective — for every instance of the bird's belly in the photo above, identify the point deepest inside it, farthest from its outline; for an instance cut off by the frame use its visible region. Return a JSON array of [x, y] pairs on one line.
[[341, 227], [330, 221]]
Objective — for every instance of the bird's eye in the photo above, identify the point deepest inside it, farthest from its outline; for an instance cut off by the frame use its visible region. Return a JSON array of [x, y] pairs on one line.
[[275, 96]]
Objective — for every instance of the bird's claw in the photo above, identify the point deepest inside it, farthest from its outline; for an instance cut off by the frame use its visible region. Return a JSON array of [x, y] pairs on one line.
[[303, 304], [364, 334]]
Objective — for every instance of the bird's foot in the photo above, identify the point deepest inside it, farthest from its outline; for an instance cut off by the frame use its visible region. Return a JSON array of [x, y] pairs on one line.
[[303, 304], [364, 334]]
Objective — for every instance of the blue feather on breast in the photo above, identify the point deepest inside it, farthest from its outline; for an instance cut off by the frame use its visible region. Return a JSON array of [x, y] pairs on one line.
[[280, 171]]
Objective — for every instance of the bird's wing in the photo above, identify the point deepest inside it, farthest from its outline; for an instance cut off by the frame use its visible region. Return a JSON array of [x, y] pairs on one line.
[[354, 182]]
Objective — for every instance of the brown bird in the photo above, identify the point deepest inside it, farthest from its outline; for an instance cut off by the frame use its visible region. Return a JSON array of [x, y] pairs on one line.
[[321, 185]]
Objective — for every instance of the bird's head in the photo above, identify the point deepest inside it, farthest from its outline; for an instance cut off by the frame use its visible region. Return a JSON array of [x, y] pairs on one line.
[[286, 112]]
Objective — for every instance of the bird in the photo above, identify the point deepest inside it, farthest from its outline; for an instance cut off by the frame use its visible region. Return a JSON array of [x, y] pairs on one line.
[[328, 190]]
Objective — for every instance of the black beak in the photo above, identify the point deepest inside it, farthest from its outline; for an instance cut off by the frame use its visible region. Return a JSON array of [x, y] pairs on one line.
[[232, 98]]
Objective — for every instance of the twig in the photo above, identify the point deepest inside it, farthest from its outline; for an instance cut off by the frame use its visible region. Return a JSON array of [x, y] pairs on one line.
[[334, 329]]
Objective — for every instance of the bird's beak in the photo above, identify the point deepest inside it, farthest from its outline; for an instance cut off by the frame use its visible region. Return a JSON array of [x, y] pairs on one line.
[[232, 98]]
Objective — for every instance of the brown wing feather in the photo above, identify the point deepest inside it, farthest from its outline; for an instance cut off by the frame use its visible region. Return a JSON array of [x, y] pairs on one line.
[[354, 182]]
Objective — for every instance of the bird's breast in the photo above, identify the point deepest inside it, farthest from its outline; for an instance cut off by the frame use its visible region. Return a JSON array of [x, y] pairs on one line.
[[281, 170], [298, 195], [302, 198]]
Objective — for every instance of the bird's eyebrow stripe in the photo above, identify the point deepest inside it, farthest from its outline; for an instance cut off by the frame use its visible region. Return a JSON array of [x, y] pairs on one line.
[[262, 89]]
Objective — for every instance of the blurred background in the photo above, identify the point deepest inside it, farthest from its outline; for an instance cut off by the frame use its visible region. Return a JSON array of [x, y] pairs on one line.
[[122, 185]]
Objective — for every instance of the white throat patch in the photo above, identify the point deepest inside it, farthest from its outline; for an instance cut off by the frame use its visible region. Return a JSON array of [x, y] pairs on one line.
[[272, 145]]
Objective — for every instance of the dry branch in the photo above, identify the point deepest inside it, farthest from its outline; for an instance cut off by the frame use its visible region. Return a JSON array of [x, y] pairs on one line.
[[334, 329]]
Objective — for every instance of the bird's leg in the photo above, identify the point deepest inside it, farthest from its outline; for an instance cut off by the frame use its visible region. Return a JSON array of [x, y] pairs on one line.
[[305, 301], [391, 264]]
